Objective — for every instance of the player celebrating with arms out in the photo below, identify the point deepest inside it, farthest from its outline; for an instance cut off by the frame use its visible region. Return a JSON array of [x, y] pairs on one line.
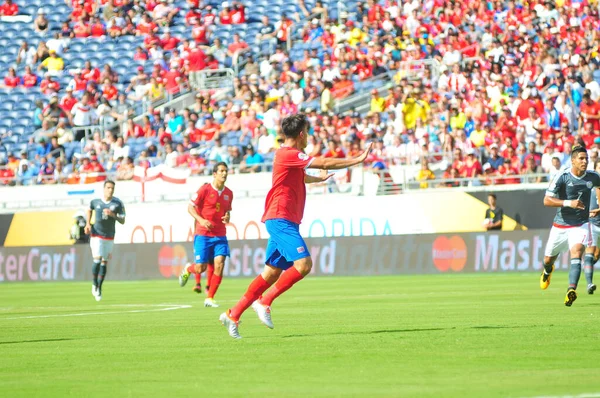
[[211, 209], [570, 191], [102, 234], [287, 256]]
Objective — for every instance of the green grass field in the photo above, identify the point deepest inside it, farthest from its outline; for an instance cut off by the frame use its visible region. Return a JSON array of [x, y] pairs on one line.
[[404, 336]]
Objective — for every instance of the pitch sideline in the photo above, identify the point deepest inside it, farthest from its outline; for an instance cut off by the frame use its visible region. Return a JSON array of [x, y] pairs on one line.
[[163, 307]]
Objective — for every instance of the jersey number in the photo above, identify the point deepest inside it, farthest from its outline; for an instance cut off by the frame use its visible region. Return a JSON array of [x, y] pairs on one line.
[[218, 207]]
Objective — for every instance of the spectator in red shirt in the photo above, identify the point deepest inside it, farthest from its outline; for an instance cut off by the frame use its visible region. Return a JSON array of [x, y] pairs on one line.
[[140, 54], [210, 128], [146, 26], [168, 42], [471, 168], [590, 111], [236, 48], [9, 9], [133, 130], [81, 28], [195, 162], [11, 80], [97, 28], [225, 14], [49, 85], [334, 150], [109, 91], [194, 134], [193, 17], [237, 14], [30, 79], [68, 101], [90, 73]]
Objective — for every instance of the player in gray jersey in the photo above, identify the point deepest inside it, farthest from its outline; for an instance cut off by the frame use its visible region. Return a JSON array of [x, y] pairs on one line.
[[570, 191], [107, 212], [592, 253]]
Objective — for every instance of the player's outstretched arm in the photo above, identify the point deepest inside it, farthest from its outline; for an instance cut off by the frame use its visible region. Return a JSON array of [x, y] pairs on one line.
[[321, 178], [336, 164], [549, 201]]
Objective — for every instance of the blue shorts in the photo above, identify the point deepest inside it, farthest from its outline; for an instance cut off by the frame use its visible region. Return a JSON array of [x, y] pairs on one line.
[[208, 247], [285, 243]]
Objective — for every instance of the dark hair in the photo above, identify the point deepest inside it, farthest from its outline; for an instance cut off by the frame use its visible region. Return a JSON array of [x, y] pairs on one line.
[[216, 166], [109, 182], [577, 149], [493, 195], [293, 125]]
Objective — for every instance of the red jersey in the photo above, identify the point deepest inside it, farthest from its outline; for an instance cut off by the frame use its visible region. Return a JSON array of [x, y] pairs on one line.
[[9, 10], [212, 205], [287, 197], [12, 81]]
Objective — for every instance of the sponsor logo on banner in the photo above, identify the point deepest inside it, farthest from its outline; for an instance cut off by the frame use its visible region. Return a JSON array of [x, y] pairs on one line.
[[449, 253], [37, 265], [171, 260], [508, 252]]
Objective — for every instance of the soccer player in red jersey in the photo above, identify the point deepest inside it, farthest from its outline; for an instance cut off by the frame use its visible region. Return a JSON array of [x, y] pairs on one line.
[[287, 256], [210, 207]]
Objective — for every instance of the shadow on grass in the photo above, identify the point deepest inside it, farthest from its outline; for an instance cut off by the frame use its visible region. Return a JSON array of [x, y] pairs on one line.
[[369, 332], [393, 331], [34, 341]]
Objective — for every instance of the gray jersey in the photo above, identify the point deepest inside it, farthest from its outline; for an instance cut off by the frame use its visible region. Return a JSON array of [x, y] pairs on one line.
[[594, 206], [104, 226], [566, 186]]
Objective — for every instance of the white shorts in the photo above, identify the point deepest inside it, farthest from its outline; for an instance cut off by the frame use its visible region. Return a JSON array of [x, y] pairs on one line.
[[595, 234], [101, 248], [563, 239]]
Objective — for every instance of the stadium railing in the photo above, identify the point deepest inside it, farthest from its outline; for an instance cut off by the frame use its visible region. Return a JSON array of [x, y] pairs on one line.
[[390, 183]]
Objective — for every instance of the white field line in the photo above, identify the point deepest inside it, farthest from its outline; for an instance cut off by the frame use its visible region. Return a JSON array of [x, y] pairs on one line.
[[162, 307], [584, 395]]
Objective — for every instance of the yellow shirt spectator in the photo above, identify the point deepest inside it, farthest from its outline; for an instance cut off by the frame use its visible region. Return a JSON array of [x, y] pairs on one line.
[[423, 175], [377, 103], [53, 63], [458, 120], [356, 36], [477, 137], [412, 111]]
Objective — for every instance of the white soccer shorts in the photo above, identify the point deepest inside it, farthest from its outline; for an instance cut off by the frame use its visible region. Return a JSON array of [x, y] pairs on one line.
[[101, 248], [595, 234], [563, 239]]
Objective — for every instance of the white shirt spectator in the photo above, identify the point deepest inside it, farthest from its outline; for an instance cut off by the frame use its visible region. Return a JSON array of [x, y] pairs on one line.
[[271, 119], [265, 144], [83, 115], [120, 152], [57, 45], [594, 88], [171, 159], [27, 56]]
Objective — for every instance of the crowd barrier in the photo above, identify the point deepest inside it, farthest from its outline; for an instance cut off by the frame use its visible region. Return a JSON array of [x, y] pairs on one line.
[[501, 252]]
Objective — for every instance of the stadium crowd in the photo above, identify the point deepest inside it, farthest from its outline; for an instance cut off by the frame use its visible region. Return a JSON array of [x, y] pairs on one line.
[[497, 91]]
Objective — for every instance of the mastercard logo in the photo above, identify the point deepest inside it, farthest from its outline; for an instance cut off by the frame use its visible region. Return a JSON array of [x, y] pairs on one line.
[[171, 259], [449, 253]]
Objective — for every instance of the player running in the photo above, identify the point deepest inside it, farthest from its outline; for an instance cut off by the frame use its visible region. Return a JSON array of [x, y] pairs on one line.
[[211, 209], [287, 256], [210, 270], [102, 233], [570, 192]]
